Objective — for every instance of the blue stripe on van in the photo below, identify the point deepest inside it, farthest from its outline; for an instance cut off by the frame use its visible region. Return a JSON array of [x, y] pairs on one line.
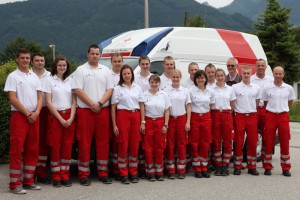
[[148, 44]]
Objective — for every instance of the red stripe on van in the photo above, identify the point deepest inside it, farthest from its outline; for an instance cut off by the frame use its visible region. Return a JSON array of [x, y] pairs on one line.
[[239, 48], [110, 54]]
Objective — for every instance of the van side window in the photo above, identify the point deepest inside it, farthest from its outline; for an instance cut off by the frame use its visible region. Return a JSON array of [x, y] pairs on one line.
[[157, 68]]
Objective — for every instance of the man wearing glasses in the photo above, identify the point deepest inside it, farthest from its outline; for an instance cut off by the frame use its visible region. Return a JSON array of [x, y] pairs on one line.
[[232, 77]]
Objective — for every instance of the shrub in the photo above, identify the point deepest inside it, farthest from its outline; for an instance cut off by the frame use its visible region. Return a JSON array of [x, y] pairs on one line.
[[295, 112]]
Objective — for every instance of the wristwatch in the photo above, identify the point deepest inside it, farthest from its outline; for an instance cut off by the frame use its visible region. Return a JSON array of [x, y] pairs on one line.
[[100, 104], [166, 126], [143, 122]]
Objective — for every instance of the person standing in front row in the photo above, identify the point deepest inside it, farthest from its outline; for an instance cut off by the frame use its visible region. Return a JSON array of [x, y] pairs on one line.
[[154, 127], [93, 87], [126, 110], [200, 136], [247, 99], [279, 98], [25, 96], [222, 124], [61, 103], [179, 125]]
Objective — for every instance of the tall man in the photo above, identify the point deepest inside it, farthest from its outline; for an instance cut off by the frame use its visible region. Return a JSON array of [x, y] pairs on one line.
[[233, 76], [165, 78], [25, 96], [93, 87], [142, 78], [38, 67], [210, 71], [192, 69], [247, 99], [279, 99]]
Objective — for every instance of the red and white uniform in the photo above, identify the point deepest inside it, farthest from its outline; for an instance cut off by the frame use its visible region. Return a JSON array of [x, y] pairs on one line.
[[41, 171], [94, 82], [222, 124], [128, 121], [200, 136], [177, 136], [143, 82], [261, 110], [246, 121], [62, 138], [24, 136], [277, 118], [188, 84], [115, 78], [164, 81]]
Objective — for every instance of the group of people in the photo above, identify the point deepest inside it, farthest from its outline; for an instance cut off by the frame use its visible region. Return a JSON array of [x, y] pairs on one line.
[[141, 122]]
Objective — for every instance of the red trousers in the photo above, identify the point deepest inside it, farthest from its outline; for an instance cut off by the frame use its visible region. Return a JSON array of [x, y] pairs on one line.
[[61, 149], [200, 139], [222, 127], [154, 143], [278, 122], [129, 138], [41, 171], [114, 155], [176, 139], [89, 125], [245, 123], [24, 137], [261, 121]]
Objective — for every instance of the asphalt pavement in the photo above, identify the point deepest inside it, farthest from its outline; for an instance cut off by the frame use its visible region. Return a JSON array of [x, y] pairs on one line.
[[232, 187]]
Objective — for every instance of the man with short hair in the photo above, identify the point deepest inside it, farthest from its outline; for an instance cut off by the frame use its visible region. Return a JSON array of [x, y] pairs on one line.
[[165, 78], [278, 98], [192, 69], [142, 78], [247, 99], [93, 87], [116, 61], [210, 71], [233, 76], [38, 67], [25, 96]]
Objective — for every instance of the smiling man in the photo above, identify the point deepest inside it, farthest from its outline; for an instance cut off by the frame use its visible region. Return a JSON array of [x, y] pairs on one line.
[[233, 76]]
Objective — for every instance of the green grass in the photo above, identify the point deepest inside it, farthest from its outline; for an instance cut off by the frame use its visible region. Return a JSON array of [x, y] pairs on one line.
[[295, 112]]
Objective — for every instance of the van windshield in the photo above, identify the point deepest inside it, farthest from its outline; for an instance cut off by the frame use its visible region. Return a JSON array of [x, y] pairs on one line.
[[133, 62]]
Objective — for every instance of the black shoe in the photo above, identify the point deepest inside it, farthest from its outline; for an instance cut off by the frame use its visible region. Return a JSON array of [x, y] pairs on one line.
[[225, 171], [44, 180], [205, 174], [118, 177], [151, 178], [142, 176], [181, 176], [85, 181], [56, 183], [125, 180], [66, 183], [286, 173], [105, 180], [171, 176], [198, 175], [218, 171], [253, 172], [237, 172], [160, 177], [268, 172], [211, 168], [135, 179]]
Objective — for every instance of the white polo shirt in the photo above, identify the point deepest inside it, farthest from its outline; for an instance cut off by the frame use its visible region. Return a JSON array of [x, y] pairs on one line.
[[43, 78], [278, 97], [156, 104], [127, 98], [179, 98], [210, 86], [142, 81], [164, 81], [93, 81], [201, 100], [188, 84], [262, 83], [246, 96], [223, 97], [115, 78], [26, 86], [61, 92]]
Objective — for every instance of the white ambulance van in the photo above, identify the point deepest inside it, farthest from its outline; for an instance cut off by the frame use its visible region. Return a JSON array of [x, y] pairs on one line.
[[185, 45]]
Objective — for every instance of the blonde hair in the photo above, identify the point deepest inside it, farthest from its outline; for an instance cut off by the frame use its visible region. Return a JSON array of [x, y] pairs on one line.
[[176, 71]]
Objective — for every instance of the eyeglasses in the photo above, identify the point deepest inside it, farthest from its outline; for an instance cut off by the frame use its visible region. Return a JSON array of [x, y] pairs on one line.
[[230, 65]]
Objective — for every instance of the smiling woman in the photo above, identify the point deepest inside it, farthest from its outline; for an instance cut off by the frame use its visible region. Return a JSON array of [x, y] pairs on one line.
[[216, 3]]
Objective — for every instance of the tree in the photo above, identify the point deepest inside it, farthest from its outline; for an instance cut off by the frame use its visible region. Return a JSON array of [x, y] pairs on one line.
[[278, 39], [196, 21]]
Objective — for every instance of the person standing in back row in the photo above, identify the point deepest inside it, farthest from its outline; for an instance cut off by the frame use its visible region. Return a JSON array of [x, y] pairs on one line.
[[233, 77], [192, 69], [165, 78], [279, 99]]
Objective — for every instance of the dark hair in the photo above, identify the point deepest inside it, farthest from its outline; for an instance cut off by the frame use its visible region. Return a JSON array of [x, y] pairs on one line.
[[93, 46], [154, 77], [144, 58], [198, 74], [23, 51], [116, 55], [37, 54], [209, 66], [54, 66], [121, 81]]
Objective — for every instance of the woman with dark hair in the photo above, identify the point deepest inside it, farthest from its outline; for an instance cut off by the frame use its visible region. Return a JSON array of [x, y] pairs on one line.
[[126, 111], [154, 127], [61, 103], [200, 136]]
